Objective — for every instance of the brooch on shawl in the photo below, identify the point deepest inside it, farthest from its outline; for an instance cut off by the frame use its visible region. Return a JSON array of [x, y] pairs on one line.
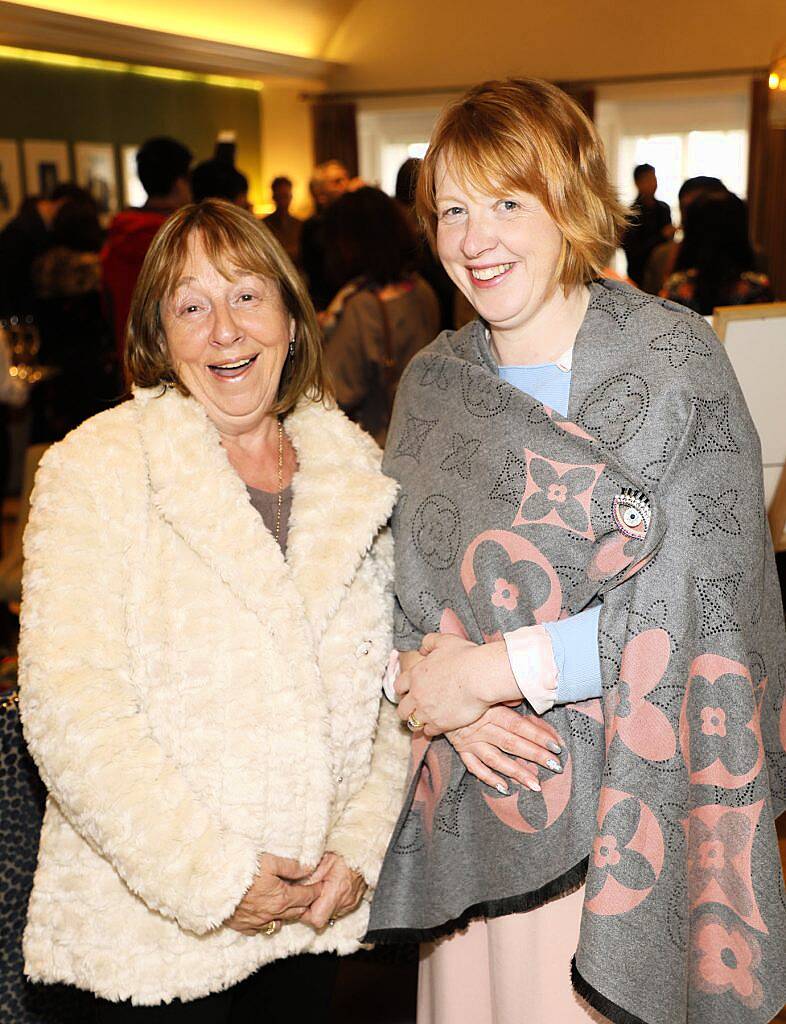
[[632, 513]]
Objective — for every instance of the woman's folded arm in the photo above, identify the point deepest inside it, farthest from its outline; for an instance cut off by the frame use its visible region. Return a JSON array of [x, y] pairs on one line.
[[557, 662], [83, 721], [362, 832]]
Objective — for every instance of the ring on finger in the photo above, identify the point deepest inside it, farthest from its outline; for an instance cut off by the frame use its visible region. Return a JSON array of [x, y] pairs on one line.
[[271, 928], [414, 723]]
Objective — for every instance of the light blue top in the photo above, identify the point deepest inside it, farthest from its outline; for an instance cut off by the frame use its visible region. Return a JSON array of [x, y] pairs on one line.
[[574, 640], [546, 383]]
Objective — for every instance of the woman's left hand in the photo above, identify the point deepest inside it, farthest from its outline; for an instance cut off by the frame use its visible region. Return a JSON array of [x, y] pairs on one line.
[[342, 891], [455, 683], [505, 742]]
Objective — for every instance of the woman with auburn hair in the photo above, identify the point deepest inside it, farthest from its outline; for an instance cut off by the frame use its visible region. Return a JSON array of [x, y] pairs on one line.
[[589, 624], [205, 624]]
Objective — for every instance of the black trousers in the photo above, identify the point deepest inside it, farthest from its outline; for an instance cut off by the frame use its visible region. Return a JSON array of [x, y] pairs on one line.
[[298, 988]]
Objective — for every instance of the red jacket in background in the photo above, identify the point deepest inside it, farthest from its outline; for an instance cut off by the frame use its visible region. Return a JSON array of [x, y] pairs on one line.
[[127, 242]]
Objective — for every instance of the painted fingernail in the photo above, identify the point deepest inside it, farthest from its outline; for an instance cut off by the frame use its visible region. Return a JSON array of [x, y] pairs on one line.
[[554, 765], [502, 788], [555, 748], [533, 785]]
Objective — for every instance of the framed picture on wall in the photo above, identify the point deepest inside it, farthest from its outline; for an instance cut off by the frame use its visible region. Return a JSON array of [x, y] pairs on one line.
[[95, 171], [46, 165], [133, 193], [10, 180]]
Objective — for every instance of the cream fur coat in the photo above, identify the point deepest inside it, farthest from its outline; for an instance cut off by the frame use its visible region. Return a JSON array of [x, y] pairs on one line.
[[193, 700]]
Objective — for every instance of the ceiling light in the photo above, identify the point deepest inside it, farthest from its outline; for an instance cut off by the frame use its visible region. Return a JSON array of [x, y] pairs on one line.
[[68, 60]]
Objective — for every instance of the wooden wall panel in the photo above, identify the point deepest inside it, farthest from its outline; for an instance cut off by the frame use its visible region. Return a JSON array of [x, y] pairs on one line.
[[584, 95], [335, 134], [767, 187]]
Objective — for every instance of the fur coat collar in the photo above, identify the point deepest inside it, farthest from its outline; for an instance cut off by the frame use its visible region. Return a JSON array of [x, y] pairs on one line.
[[339, 503]]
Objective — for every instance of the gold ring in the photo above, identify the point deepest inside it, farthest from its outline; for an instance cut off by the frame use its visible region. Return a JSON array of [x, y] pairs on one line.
[[10, 701], [414, 723], [270, 928]]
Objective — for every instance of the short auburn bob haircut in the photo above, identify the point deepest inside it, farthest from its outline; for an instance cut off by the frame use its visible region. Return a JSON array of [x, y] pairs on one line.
[[525, 135], [235, 243]]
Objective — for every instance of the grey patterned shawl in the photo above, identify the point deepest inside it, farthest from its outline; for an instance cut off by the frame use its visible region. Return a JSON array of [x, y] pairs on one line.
[[648, 497]]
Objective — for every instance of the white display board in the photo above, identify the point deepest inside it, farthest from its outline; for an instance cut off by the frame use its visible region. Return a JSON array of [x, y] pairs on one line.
[[755, 340]]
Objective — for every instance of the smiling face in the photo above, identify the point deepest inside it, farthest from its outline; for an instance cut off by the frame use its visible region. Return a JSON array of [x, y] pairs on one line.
[[503, 252], [228, 340]]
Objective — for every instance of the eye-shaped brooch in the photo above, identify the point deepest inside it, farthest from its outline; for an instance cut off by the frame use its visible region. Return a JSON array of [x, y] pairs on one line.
[[632, 513]]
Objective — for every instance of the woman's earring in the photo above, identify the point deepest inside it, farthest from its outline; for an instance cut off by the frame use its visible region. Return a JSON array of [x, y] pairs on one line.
[[291, 347]]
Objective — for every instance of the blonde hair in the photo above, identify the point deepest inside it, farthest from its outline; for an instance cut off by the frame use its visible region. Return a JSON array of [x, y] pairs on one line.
[[526, 135], [234, 243]]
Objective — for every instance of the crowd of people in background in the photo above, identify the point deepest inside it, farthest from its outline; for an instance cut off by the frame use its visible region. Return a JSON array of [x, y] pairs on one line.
[[713, 264], [378, 289]]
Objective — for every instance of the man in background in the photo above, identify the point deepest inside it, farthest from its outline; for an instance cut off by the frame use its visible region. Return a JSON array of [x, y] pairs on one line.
[[163, 168], [217, 179], [284, 226], [329, 182], [651, 223]]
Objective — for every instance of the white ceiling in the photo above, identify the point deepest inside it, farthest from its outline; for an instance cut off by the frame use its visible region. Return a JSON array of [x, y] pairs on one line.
[[302, 28]]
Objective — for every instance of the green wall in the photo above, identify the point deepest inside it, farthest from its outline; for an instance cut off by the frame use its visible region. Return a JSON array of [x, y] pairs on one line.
[[43, 101]]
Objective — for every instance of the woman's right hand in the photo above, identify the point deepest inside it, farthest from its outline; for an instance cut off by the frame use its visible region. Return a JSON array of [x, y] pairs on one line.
[[503, 741], [274, 895]]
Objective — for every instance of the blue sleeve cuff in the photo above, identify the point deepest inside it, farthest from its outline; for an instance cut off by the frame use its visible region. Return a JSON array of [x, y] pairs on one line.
[[575, 644]]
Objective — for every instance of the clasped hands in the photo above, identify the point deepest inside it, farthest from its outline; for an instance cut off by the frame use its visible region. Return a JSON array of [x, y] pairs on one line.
[[467, 691], [283, 890]]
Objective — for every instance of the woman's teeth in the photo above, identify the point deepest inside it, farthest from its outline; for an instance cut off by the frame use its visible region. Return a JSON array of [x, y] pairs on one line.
[[232, 369], [487, 273]]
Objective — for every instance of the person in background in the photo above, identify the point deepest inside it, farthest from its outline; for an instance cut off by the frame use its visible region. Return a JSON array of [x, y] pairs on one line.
[[407, 182], [22, 241], [284, 226], [651, 223], [335, 180], [663, 258], [218, 179], [385, 312], [426, 263], [716, 265], [329, 182], [76, 340], [318, 194], [163, 168]]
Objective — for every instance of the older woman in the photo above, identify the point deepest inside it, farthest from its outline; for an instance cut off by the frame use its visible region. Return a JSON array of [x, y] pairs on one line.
[[204, 628], [580, 525]]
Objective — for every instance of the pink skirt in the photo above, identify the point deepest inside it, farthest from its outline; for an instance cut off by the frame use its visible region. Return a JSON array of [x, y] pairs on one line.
[[511, 970]]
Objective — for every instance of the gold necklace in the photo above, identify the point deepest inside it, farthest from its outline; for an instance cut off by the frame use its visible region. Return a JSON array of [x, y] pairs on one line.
[[280, 478]]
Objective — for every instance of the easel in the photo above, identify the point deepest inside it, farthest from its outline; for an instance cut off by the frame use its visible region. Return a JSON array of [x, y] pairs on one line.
[[755, 339]]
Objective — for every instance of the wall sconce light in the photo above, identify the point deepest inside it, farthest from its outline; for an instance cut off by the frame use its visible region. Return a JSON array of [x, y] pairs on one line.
[[777, 88]]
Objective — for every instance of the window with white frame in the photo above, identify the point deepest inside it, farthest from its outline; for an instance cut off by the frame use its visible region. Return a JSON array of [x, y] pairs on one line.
[[677, 156], [681, 135], [682, 129], [391, 156], [386, 138]]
